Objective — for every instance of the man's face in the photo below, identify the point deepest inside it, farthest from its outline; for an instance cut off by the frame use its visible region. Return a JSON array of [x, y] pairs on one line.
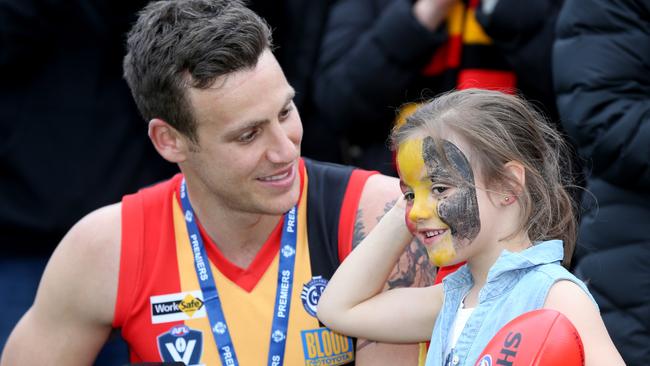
[[442, 207], [249, 133]]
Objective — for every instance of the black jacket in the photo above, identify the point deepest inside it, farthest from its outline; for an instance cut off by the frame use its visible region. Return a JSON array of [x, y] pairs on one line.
[[602, 76]]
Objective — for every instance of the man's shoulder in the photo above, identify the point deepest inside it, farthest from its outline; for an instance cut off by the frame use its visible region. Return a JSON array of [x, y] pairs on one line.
[[380, 185], [318, 168], [372, 186], [97, 230], [86, 261], [159, 188], [150, 199], [379, 194], [92, 246]]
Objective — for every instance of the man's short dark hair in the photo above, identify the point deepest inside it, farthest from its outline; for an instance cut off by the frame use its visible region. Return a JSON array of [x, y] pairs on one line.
[[188, 43]]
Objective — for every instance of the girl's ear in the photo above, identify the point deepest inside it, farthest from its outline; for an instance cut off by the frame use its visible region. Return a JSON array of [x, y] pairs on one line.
[[170, 144], [517, 173]]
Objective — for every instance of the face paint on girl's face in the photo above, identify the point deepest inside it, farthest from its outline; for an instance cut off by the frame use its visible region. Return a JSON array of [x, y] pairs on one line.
[[460, 208], [442, 208]]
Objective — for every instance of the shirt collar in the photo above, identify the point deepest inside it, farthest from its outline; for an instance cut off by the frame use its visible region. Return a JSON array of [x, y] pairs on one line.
[[540, 253]]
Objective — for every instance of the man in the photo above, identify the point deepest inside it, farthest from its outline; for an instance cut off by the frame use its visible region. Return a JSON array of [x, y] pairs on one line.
[[223, 264]]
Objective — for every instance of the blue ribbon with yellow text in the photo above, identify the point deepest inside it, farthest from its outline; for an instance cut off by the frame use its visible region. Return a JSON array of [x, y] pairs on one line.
[[211, 300]]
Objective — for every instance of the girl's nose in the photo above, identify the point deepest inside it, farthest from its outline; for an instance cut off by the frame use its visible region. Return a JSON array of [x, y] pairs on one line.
[[423, 209]]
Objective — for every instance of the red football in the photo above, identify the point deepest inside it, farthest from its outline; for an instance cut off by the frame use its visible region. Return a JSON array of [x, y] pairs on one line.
[[537, 338]]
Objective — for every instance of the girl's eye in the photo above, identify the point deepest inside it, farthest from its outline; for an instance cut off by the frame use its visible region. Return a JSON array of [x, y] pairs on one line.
[[409, 196], [439, 190]]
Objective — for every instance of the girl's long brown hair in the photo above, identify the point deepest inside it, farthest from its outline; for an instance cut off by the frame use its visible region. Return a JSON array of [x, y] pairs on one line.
[[500, 128]]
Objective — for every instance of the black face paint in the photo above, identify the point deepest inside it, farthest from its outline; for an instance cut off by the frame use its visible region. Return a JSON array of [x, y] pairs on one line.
[[459, 210]]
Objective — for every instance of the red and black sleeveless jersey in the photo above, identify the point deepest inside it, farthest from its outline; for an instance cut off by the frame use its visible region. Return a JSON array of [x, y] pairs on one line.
[[159, 302]]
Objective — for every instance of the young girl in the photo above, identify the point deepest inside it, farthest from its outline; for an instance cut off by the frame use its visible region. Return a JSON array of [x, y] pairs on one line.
[[480, 172]]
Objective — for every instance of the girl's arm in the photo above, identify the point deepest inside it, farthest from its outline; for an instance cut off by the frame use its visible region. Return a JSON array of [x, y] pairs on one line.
[[353, 303], [569, 299]]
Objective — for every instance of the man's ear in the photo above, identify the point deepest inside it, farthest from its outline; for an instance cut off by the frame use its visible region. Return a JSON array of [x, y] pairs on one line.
[[170, 144]]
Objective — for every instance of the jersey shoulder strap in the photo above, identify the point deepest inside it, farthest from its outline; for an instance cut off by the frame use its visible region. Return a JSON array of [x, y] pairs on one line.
[[333, 195], [146, 225]]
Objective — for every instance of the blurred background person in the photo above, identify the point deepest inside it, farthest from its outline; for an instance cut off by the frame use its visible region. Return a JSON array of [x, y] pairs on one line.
[[601, 66], [298, 27], [71, 139], [377, 55]]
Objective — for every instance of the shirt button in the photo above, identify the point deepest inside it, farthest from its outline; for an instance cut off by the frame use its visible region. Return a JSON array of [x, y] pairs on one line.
[[454, 360]]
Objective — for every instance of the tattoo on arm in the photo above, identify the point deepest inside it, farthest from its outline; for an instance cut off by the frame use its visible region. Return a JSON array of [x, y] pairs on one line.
[[357, 236], [359, 229], [387, 208], [413, 269]]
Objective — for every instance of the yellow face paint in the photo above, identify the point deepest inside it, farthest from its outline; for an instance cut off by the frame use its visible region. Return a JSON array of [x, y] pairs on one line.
[[423, 208], [444, 252]]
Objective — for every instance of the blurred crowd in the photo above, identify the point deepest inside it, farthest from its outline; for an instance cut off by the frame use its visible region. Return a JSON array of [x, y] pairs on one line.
[[71, 139]]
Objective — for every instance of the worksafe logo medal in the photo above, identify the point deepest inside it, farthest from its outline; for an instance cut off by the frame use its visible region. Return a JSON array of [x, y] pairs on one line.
[[190, 305], [178, 306]]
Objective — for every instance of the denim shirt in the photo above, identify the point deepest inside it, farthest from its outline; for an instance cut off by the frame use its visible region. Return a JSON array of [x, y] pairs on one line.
[[516, 283]]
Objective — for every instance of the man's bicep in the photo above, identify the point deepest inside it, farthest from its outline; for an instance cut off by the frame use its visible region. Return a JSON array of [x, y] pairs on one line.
[[41, 337], [73, 310]]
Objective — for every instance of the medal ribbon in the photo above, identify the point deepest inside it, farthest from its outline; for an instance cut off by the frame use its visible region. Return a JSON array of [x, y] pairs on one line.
[[211, 300]]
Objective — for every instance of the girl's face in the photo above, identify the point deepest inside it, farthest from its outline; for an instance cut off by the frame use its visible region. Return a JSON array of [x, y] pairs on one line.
[[442, 208]]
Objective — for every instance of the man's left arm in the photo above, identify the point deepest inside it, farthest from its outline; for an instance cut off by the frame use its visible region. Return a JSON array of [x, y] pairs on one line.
[[412, 270]]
